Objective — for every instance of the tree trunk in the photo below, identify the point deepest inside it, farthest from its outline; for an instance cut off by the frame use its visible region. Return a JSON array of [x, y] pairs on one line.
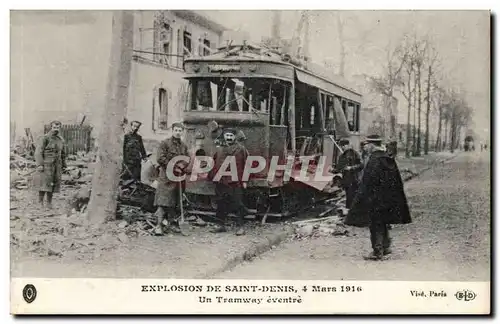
[[414, 150], [103, 201], [419, 113], [445, 134], [428, 112], [408, 121], [452, 132], [440, 123]]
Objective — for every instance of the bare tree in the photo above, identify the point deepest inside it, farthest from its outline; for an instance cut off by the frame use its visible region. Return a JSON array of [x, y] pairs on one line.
[[419, 50], [387, 84], [408, 93], [431, 60], [103, 200], [439, 101]]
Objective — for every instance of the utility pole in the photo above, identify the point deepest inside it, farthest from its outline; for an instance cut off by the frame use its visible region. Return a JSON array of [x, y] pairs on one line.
[[103, 200]]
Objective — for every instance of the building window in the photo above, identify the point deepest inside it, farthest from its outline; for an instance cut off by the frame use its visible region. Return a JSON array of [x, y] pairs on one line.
[[160, 115], [206, 47], [165, 43], [162, 40], [188, 49]]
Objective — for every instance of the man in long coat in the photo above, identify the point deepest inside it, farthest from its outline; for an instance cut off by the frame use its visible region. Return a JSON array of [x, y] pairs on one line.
[[167, 193], [350, 165], [50, 158], [229, 190], [133, 153], [380, 200]]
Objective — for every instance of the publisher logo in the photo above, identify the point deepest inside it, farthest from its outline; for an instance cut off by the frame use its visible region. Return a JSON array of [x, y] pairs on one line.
[[465, 295], [29, 293]]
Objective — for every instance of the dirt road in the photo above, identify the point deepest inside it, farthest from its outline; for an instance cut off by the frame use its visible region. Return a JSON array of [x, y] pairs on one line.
[[449, 238]]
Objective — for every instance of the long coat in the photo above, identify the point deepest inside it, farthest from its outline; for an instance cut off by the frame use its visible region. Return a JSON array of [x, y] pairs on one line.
[[349, 158], [167, 190], [240, 154], [133, 153], [381, 194], [49, 153]]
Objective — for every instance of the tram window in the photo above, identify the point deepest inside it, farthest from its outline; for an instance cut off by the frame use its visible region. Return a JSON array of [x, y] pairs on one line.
[[357, 120], [344, 107], [330, 114], [351, 115], [239, 95]]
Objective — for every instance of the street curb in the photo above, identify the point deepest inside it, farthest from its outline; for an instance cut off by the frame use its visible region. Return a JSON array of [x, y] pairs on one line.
[[275, 240], [252, 252]]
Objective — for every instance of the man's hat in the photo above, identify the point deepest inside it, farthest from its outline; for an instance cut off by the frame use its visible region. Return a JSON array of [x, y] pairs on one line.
[[373, 139], [180, 125], [343, 142], [230, 130]]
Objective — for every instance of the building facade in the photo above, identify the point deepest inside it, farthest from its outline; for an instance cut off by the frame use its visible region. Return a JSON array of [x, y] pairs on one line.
[[162, 39]]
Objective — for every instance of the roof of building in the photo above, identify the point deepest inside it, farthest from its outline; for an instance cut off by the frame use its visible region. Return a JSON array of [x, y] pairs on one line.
[[200, 20]]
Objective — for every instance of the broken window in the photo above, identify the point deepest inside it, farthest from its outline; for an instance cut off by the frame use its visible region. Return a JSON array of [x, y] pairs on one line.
[[241, 95], [351, 116]]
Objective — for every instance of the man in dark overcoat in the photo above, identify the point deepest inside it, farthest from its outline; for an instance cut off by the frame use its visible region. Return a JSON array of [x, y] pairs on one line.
[[50, 158], [167, 193], [350, 165], [133, 153], [380, 200], [228, 189]]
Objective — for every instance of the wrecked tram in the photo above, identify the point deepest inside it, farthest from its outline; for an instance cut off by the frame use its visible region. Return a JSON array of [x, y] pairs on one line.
[[281, 108]]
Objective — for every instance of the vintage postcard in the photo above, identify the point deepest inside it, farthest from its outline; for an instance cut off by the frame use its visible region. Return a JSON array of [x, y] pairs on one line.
[[250, 162]]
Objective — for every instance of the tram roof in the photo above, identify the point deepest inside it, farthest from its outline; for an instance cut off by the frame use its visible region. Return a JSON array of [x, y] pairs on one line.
[[255, 53]]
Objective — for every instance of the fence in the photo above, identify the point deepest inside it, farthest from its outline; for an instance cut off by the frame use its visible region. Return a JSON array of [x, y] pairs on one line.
[[77, 137]]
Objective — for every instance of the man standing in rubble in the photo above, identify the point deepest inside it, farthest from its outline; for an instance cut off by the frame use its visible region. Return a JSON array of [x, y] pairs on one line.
[[229, 188], [167, 193], [380, 200], [50, 158], [133, 153], [350, 165]]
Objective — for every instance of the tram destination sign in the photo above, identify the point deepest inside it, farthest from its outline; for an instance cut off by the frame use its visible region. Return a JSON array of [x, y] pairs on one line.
[[224, 68]]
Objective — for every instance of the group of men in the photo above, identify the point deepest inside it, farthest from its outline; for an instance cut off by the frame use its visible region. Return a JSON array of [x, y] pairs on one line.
[[374, 190], [229, 192]]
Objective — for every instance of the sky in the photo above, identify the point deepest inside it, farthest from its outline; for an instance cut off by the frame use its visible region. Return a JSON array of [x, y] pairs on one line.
[[67, 52]]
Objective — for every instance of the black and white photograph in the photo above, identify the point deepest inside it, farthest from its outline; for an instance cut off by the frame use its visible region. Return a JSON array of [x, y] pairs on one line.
[[332, 145]]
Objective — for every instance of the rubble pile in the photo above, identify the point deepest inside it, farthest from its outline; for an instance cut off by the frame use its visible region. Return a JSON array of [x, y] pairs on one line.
[[57, 235], [328, 223], [407, 174]]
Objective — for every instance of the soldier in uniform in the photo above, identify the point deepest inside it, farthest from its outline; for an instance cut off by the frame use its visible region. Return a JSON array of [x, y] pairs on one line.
[[133, 153], [380, 200], [167, 193], [229, 190], [50, 158]]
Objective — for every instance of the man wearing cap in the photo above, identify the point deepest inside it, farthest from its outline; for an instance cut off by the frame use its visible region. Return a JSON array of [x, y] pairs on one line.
[[50, 158], [229, 189], [350, 165], [167, 193], [380, 200], [133, 153]]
